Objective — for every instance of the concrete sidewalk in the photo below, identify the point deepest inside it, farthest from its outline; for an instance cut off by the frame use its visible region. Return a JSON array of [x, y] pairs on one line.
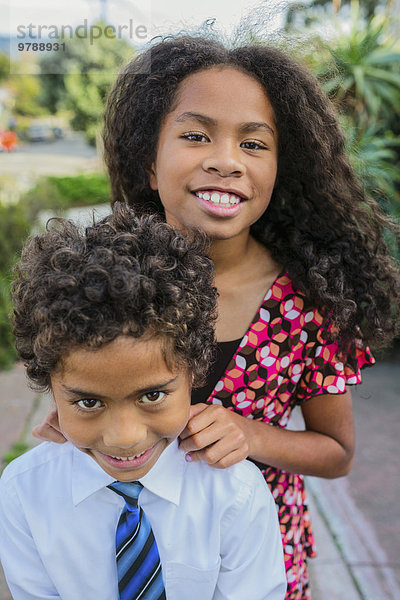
[[350, 565]]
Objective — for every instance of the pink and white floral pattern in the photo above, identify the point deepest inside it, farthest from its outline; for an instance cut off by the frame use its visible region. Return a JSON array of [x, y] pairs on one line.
[[283, 360]]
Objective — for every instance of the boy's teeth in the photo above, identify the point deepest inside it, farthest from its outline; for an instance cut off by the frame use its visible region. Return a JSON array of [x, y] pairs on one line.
[[127, 457], [218, 198]]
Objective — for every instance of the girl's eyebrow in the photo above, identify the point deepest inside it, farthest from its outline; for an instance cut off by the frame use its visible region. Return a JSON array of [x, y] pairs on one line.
[[146, 389], [205, 120], [192, 116], [254, 126]]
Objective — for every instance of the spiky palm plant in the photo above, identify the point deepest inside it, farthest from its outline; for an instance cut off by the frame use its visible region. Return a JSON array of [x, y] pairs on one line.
[[361, 69]]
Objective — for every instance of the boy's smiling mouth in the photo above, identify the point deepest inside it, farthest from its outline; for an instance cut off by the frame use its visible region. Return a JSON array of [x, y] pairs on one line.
[[129, 462]]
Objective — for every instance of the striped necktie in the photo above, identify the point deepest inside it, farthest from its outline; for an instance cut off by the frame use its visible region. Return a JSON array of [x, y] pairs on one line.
[[138, 561]]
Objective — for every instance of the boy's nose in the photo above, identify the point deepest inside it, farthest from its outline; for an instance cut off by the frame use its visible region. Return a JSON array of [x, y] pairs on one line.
[[224, 160], [124, 431]]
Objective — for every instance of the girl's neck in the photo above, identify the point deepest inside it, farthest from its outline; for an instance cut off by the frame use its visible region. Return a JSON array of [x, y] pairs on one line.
[[230, 254], [241, 257]]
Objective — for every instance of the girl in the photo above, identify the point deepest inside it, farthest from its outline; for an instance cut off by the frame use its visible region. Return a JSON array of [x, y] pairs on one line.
[[244, 145]]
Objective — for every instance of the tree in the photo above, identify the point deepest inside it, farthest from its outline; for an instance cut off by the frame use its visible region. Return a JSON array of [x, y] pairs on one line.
[[302, 14], [81, 78], [4, 66]]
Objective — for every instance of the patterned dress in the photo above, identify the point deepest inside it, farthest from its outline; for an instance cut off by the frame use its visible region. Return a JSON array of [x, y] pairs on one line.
[[282, 361]]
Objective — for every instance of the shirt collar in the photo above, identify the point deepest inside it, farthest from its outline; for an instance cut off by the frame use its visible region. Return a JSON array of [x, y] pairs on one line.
[[164, 479]]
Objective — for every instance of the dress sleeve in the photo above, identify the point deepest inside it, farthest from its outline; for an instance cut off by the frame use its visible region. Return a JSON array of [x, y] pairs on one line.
[[327, 371]]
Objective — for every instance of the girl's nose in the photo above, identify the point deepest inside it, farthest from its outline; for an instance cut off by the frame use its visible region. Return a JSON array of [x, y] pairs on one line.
[[124, 429], [224, 160]]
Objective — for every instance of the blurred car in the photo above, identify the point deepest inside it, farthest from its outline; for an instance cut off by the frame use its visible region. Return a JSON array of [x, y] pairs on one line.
[[40, 133]]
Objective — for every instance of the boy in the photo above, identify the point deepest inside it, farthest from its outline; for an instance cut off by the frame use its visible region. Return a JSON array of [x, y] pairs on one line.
[[117, 323]]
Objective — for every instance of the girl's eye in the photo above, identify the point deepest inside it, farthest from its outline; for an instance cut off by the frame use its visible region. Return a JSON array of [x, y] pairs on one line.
[[252, 145], [88, 403], [152, 397], [193, 136]]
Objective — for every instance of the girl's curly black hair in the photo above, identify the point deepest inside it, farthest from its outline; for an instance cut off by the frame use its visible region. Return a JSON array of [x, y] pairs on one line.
[[319, 224], [125, 275]]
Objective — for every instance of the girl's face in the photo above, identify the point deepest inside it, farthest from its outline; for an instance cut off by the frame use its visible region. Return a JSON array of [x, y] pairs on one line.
[[216, 160]]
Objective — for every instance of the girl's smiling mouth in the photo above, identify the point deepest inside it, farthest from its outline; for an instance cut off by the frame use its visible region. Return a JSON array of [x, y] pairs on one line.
[[218, 198], [220, 202]]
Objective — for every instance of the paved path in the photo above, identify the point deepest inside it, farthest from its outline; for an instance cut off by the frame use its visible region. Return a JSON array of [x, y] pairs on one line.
[[358, 546], [69, 156]]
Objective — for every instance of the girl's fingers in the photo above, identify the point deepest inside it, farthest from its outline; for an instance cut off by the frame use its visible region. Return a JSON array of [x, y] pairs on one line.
[[214, 434], [217, 456], [195, 425]]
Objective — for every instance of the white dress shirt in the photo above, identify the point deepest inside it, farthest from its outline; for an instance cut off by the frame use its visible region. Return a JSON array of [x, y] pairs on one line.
[[217, 530]]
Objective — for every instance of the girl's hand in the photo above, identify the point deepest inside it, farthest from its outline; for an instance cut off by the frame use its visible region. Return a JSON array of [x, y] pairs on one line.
[[215, 435], [49, 429]]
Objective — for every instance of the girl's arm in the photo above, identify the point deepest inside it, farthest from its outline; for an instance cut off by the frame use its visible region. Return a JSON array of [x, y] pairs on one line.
[[222, 438]]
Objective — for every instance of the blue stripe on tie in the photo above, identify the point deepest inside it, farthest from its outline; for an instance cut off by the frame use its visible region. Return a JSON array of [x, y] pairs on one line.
[[131, 554], [127, 540], [140, 586]]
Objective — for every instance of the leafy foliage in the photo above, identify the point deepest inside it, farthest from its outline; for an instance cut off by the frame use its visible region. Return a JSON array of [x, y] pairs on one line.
[[4, 66], [83, 190], [14, 228], [60, 193], [80, 80], [7, 351], [360, 70], [373, 157]]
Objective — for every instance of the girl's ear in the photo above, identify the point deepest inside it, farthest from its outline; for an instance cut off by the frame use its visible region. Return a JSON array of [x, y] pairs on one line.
[[153, 178]]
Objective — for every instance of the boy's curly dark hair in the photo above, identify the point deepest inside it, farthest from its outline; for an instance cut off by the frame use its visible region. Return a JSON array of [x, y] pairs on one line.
[[122, 276], [319, 224]]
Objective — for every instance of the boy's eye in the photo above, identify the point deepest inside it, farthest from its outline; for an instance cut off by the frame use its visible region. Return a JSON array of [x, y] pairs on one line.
[[152, 397], [253, 145], [88, 403], [194, 136]]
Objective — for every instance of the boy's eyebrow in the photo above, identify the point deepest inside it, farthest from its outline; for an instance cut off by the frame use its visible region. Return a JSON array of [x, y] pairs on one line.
[[244, 128], [146, 389], [154, 388]]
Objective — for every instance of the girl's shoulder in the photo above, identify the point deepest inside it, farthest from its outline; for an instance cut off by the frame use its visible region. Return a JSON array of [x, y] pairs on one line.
[[290, 302]]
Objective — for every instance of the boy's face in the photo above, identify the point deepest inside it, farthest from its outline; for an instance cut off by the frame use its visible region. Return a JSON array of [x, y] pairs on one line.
[[121, 404]]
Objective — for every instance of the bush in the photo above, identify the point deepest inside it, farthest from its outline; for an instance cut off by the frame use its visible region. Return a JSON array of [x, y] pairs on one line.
[[50, 193], [14, 228], [7, 351], [61, 193]]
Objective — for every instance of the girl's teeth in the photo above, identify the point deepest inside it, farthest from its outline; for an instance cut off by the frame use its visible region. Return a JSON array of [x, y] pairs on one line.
[[217, 199]]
